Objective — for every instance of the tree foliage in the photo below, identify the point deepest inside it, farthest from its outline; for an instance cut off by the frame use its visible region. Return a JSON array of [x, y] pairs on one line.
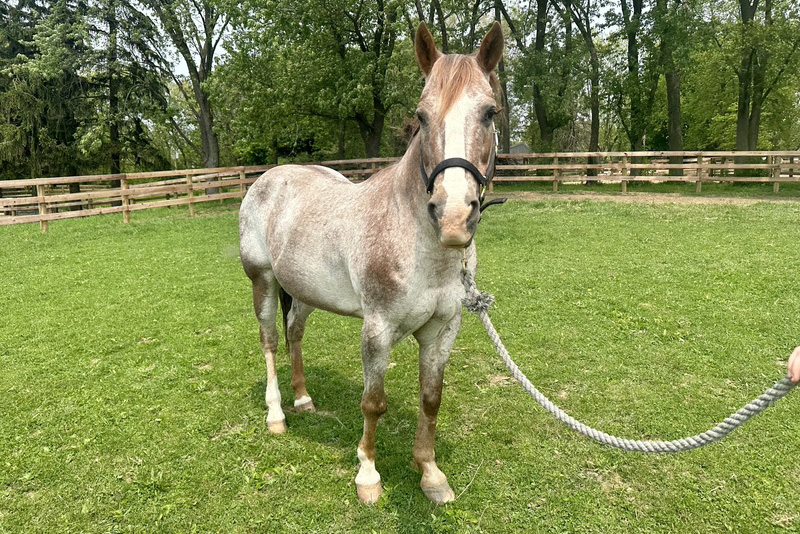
[[99, 85]]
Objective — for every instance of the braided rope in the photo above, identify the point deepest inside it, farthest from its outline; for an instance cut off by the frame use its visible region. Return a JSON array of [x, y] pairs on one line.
[[479, 303]]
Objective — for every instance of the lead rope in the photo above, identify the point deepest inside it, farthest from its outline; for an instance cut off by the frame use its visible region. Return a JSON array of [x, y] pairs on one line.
[[478, 302]]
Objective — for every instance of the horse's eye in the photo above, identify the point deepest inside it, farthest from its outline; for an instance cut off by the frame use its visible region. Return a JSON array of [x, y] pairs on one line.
[[423, 120], [490, 113]]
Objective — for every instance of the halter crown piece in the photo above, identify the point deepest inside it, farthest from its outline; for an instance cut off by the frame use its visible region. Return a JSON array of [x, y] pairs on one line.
[[482, 179]]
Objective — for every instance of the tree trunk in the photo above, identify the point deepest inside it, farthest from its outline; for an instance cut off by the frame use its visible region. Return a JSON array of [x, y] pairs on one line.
[[442, 25], [505, 118], [583, 22], [758, 92], [745, 76], [342, 132], [539, 106], [594, 104], [208, 136], [674, 121], [372, 132], [751, 77], [115, 159], [672, 78], [637, 125]]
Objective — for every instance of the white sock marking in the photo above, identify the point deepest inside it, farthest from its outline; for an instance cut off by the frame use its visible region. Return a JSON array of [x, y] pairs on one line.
[[367, 474], [305, 399], [273, 398]]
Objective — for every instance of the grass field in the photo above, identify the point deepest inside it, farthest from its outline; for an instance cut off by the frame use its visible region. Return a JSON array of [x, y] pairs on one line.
[[709, 189], [132, 384]]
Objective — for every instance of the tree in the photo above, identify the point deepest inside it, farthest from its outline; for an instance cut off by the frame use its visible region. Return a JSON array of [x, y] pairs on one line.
[[195, 29], [634, 88], [41, 92], [582, 15], [331, 61], [544, 71], [760, 48]]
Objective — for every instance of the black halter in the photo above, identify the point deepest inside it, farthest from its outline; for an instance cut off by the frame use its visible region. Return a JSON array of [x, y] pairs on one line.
[[483, 180]]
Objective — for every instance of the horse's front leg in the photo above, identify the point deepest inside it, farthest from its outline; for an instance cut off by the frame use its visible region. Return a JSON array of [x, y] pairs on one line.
[[376, 344], [435, 341]]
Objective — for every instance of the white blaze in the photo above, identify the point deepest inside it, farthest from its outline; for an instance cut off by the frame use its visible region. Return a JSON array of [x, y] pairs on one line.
[[455, 146]]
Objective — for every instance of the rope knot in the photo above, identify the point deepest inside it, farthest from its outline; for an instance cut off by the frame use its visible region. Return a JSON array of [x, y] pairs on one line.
[[478, 301], [475, 301]]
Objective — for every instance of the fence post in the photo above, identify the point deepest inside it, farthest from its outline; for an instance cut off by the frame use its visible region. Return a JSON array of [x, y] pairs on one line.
[[190, 193], [126, 209], [698, 185], [776, 173], [42, 206], [242, 187], [556, 174], [625, 172]]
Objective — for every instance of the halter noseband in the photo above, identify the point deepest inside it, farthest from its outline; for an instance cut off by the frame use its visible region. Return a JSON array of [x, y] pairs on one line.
[[483, 180]]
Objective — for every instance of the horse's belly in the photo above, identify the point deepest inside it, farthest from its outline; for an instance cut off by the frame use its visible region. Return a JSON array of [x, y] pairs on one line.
[[320, 288]]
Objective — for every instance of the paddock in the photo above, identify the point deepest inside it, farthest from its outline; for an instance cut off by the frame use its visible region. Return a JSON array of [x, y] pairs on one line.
[[132, 391]]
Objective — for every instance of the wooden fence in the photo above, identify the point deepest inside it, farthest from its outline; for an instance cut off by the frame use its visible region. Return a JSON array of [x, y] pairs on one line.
[[45, 199]]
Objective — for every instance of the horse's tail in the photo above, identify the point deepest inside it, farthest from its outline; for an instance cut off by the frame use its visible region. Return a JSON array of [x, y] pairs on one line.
[[286, 305]]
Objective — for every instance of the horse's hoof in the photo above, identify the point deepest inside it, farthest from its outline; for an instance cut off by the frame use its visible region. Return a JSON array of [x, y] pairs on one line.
[[369, 493], [277, 427], [441, 494], [307, 406]]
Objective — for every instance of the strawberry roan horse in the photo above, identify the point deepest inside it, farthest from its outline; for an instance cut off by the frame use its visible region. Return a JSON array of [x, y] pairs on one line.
[[389, 250]]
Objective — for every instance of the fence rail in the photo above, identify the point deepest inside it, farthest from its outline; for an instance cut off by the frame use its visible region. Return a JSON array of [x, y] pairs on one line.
[[46, 199]]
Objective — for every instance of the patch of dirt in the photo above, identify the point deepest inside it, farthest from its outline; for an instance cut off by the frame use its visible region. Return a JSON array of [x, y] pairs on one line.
[[228, 430], [500, 380], [637, 197], [608, 481]]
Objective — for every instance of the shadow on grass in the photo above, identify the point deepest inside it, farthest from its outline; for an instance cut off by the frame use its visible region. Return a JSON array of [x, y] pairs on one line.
[[338, 423]]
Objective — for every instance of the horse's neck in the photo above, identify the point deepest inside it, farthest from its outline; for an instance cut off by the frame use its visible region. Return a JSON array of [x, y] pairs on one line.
[[407, 185]]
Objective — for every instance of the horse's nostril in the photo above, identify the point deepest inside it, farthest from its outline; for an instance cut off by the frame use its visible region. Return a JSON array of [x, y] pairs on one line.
[[475, 205], [432, 211]]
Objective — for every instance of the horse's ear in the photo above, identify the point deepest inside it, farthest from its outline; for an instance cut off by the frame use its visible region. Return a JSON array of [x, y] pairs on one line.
[[425, 49], [491, 50]]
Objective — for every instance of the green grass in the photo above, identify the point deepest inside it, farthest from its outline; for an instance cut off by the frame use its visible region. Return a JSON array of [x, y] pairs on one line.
[[709, 189], [131, 382]]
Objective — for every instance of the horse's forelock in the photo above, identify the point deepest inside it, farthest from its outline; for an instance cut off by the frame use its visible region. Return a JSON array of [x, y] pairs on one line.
[[451, 75]]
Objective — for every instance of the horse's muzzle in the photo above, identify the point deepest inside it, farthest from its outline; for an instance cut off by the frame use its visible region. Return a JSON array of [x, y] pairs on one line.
[[455, 228]]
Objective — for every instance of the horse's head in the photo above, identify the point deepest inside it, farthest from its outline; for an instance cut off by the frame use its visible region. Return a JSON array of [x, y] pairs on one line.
[[455, 114]]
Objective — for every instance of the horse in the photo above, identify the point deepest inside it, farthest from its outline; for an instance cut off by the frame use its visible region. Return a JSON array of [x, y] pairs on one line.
[[389, 250]]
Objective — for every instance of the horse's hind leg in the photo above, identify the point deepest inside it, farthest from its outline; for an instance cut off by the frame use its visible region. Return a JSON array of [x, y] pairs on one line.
[[265, 302], [295, 328]]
